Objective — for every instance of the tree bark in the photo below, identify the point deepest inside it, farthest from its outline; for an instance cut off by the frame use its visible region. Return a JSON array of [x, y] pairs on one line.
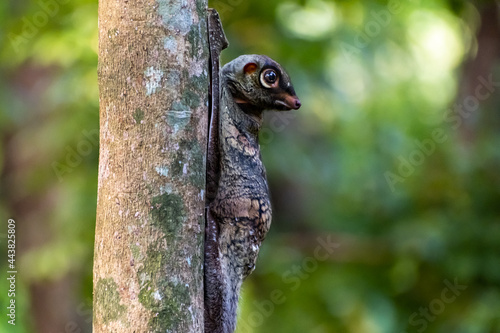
[[481, 66], [153, 82]]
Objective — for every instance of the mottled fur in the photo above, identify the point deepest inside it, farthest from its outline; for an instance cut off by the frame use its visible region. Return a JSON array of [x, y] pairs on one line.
[[239, 216]]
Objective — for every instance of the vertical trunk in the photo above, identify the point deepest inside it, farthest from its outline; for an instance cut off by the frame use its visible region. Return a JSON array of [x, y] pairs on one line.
[[153, 81], [482, 66]]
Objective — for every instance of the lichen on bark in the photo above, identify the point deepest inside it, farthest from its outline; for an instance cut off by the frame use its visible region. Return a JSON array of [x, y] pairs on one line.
[[110, 308]]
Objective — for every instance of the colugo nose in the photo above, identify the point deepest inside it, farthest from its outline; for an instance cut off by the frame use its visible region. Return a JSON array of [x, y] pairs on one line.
[[297, 104], [293, 102]]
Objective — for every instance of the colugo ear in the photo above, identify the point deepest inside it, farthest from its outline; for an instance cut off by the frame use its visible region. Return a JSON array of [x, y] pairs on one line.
[[250, 68]]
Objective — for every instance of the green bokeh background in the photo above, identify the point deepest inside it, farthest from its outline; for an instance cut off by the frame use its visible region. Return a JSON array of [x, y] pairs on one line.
[[393, 160]]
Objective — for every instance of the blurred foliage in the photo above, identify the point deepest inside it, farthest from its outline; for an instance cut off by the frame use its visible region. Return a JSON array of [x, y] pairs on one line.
[[411, 212], [48, 93]]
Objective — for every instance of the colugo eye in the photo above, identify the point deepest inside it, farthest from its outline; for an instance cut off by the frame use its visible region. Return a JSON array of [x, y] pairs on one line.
[[269, 78]]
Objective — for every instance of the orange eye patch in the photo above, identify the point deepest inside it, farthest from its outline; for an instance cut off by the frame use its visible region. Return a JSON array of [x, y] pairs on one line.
[[250, 68]]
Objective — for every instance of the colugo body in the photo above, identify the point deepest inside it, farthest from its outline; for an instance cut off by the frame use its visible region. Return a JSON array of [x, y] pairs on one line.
[[239, 214]]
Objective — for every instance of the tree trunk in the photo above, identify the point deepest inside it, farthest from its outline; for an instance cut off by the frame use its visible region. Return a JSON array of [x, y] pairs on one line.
[[478, 120], [153, 82]]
